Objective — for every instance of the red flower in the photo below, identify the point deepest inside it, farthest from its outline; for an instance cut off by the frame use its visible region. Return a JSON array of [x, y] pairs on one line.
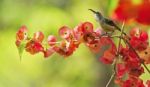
[[95, 47], [139, 39], [82, 29], [51, 40], [136, 71], [87, 27], [107, 58], [77, 32], [148, 83], [127, 68], [21, 35], [65, 48], [64, 32], [145, 55], [38, 36], [109, 52], [129, 57], [48, 52], [143, 15], [133, 82], [121, 70], [125, 11], [128, 9], [34, 47]]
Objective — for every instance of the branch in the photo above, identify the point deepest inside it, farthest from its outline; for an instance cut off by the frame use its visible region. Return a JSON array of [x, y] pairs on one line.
[[115, 61], [112, 76]]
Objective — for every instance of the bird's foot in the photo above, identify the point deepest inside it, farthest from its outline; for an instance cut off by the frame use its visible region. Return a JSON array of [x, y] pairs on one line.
[[105, 34]]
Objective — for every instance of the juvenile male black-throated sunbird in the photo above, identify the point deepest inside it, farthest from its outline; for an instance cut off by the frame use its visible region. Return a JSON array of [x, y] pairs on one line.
[[107, 25]]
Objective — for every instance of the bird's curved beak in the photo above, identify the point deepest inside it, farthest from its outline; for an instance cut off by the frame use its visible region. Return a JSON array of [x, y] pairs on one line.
[[92, 11]]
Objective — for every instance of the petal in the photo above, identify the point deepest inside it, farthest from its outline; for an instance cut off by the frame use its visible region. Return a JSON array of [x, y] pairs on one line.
[[22, 33], [39, 36], [121, 70], [125, 11], [143, 14], [107, 58], [48, 52], [64, 32], [51, 40], [87, 27], [34, 47]]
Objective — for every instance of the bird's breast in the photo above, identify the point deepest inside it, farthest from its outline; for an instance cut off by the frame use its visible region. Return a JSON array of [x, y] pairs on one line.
[[107, 28]]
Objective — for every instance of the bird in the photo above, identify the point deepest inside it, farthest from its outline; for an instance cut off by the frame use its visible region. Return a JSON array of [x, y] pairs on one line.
[[107, 24]]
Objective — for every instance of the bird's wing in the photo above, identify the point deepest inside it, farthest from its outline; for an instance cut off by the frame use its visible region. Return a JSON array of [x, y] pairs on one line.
[[111, 23]]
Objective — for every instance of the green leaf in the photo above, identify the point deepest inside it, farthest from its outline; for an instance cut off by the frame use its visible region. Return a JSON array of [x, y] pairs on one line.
[[21, 49]]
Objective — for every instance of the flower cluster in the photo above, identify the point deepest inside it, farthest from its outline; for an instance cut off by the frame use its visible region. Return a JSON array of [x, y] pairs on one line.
[[131, 59], [137, 10], [71, 39], [127, 57]]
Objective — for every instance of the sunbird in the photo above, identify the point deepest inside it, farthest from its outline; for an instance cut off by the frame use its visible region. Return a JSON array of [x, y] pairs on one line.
[[107, 24]]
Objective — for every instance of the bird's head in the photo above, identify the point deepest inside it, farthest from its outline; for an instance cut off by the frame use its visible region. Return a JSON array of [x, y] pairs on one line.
[[97, 14]]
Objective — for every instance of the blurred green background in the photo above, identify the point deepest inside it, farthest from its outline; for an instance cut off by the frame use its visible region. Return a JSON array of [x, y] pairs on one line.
[[82, 69]]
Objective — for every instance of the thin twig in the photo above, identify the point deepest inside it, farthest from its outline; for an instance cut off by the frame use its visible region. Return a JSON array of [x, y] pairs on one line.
[[146, 68], [115, 61], [122, 30], [112, 76], [115, 36]]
